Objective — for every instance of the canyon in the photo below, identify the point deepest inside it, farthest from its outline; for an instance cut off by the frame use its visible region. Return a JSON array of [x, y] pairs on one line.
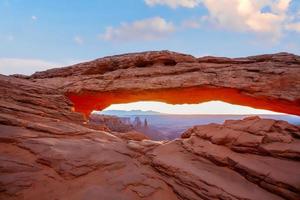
[[49, 149]]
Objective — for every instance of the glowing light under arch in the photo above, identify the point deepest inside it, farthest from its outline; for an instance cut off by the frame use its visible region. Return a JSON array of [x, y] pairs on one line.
[[211, 107]]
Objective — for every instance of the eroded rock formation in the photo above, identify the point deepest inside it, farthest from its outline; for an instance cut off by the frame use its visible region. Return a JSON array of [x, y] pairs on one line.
[[117, 126], [269, 81], [47, 150]]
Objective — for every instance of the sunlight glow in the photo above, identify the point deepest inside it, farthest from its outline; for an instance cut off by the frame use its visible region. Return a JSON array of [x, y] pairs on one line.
[[211, 107]]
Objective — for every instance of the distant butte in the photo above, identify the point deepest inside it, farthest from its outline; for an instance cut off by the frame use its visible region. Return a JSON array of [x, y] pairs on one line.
[[49, 150]]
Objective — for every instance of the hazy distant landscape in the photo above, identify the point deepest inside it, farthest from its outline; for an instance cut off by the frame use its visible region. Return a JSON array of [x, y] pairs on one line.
[[170, 126]]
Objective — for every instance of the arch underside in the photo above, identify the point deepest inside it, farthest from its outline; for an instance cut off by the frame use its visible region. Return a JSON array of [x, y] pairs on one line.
[[87, 101]]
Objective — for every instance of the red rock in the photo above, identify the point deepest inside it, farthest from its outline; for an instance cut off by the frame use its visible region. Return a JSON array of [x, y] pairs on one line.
[[268, 81], [49, 151], [132, 135], [259, 162]]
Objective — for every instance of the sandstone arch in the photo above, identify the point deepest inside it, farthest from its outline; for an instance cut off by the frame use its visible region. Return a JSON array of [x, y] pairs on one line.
[[268, 81]]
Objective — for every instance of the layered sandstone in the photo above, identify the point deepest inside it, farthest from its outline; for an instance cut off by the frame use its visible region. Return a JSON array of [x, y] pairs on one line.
[[267, 81], [49, 151]]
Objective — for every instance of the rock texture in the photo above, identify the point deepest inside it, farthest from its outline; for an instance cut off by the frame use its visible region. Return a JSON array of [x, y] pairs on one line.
[[49, 151], [267, 81], [236, 160]]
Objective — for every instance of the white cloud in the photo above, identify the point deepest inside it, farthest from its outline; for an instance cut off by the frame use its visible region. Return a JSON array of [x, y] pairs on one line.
[[267, 18], [10, 66], [249, 15], [78, 40], [34, 18], [174, 3], [146, 29]]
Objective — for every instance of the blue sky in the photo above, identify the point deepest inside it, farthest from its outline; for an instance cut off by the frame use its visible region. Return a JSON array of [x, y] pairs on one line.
[[40, 34]]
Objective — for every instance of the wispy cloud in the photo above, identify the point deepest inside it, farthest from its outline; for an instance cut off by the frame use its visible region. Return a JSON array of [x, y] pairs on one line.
[[174, 3], [78, 40], [34, 18], [146, 29], [10, 66]]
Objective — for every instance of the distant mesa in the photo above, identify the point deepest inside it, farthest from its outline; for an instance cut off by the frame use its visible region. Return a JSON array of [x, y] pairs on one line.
[[129, 127], [119, 126]]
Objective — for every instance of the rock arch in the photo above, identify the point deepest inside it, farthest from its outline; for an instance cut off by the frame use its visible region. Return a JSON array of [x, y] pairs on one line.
[[267, 81]]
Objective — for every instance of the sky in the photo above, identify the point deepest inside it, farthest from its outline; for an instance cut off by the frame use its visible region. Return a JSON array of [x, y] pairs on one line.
[[211, 107], [39, 34]]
